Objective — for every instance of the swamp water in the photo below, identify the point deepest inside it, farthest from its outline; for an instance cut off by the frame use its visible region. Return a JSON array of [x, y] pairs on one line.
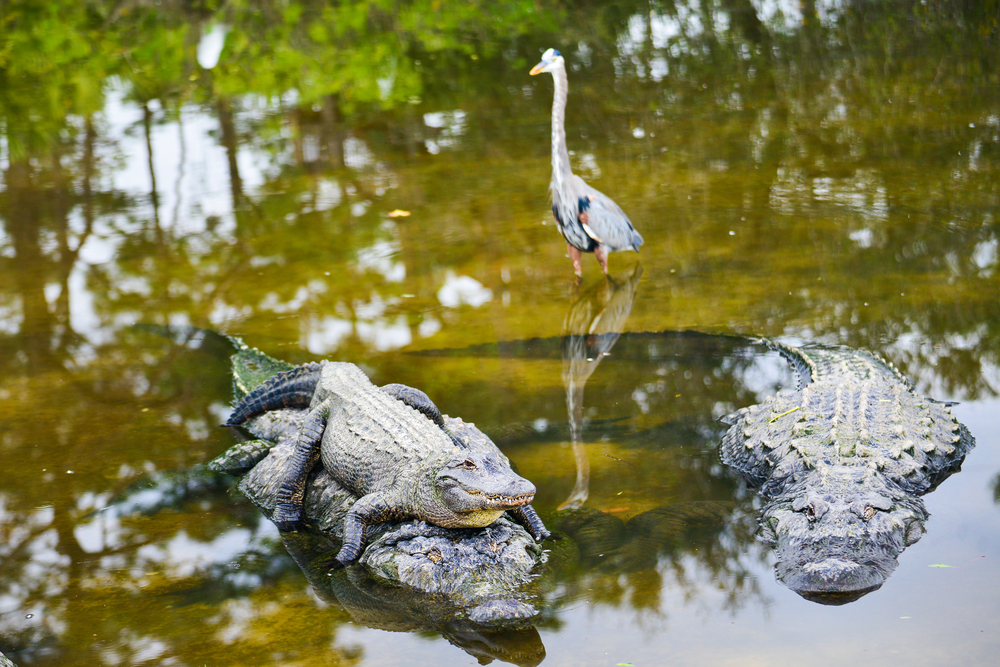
[[340, 182]]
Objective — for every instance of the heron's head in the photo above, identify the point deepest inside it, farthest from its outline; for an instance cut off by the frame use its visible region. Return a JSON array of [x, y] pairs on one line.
[[550, 60]]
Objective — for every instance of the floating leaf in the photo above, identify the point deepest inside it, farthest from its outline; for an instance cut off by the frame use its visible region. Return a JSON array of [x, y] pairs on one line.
[[399, 213], [940, 565]]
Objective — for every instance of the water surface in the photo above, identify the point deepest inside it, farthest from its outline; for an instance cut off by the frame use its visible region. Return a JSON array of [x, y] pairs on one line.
[[351, 183]]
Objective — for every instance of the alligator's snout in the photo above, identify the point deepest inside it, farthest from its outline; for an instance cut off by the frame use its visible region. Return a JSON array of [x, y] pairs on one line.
[[834, 581], [835, 548], [520, 492]]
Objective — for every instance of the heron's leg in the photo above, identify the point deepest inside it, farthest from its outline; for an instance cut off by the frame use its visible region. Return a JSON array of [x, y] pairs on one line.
[[575, 255], [602, 256]]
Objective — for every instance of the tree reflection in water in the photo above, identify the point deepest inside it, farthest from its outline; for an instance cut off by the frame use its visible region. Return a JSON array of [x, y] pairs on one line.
[[830, 175]]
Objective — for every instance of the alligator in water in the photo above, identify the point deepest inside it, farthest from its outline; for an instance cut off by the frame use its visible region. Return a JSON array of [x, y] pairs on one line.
[[842, 463], [392, 449]]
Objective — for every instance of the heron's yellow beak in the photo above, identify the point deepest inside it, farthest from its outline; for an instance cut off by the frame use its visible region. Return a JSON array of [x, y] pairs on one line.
[[537, 69]]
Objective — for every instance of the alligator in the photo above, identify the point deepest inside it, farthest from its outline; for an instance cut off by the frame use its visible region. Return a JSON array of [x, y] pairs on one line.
[[391, 448], [841, 463]]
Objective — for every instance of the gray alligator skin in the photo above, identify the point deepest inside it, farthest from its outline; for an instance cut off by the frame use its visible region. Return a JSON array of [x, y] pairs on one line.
[[483, 573], [842, 463], [392, 449]]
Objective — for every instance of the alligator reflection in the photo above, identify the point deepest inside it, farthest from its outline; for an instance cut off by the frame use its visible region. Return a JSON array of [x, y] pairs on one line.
[[592, 326], [400, 609]]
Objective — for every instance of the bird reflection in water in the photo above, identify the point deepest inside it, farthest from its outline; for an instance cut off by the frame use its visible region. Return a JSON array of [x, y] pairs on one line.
[[592, 326]]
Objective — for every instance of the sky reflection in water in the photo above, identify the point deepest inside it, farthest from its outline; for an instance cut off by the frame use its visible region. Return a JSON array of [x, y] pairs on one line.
[[824, 177]]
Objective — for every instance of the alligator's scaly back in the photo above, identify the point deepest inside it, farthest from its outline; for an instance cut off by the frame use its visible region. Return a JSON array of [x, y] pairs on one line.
[[853, 409], [391, 433]]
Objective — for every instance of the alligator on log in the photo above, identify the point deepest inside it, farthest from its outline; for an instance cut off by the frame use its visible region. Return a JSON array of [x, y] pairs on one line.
[[417, 468], [842, 463]]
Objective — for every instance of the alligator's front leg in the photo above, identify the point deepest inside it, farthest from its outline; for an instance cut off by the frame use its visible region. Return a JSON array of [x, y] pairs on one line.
[[527, 517], [288, 507], [367, 511]]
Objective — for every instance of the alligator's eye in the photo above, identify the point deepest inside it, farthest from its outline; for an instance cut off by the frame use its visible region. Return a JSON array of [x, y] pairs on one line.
[[467, 464], [866, 509]]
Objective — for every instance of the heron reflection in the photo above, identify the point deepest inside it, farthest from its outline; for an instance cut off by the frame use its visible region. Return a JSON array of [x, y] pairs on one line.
[[592, 326]]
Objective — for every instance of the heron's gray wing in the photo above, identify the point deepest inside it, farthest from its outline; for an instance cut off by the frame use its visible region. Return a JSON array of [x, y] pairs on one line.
[[606, 222]]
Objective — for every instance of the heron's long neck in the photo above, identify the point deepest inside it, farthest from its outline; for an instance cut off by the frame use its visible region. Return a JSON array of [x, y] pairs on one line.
[[560, 155]]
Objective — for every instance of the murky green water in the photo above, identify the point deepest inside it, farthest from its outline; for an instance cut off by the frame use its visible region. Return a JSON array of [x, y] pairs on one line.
[[815, 172]]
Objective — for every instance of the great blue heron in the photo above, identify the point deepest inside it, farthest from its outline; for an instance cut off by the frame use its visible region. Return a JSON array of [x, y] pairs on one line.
[[589, 220]]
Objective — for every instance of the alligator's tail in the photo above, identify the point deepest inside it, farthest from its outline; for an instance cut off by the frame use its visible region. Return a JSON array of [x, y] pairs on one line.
[[814, 360], [803, 365], [291, 389]]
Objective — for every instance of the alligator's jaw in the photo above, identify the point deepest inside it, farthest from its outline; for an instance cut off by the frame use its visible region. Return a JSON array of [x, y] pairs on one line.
[[501, 501], [474, 508], [834, 581]]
